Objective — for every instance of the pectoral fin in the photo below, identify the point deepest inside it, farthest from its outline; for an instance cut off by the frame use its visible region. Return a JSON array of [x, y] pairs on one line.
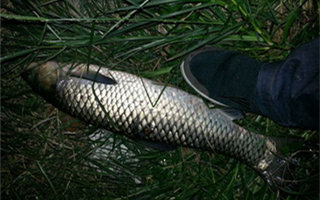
[[94, 76]]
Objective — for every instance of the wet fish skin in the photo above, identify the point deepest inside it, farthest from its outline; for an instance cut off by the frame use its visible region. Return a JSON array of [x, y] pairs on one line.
[[127, 107]]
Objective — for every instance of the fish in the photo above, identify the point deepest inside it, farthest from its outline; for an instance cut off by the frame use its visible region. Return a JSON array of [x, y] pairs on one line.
[[145, 110]]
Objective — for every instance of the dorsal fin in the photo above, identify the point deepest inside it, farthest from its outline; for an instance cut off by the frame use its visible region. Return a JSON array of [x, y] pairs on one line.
[[93, 76], [160, 146]]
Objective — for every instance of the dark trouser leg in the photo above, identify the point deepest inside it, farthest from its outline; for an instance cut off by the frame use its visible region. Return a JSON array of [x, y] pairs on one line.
[[288, 91]]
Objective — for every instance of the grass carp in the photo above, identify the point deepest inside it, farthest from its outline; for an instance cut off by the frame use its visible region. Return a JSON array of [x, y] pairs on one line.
[[142, 109]]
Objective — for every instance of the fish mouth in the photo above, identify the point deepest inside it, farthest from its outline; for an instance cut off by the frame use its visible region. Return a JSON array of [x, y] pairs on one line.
[[43, 77]]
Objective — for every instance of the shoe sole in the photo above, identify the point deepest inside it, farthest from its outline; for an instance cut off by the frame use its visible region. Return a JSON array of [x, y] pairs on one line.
[[192, 81]]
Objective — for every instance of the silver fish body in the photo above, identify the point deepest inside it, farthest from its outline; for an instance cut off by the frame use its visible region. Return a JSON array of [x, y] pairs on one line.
[[131, 106]]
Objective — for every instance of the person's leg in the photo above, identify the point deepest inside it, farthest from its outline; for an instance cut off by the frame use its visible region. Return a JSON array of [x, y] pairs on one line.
[[287, 92]]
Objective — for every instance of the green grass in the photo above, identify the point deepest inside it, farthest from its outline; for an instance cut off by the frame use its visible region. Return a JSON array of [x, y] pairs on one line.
[[48, 155]]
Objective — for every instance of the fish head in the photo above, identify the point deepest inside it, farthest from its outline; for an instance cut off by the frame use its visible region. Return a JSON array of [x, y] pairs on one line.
[[43, 77]]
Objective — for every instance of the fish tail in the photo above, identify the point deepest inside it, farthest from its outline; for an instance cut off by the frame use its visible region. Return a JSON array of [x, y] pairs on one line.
[[284, 176], [280, 175]]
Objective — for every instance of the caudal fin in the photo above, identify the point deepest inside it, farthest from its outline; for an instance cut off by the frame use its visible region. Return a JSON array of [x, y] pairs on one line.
[[296, 174]]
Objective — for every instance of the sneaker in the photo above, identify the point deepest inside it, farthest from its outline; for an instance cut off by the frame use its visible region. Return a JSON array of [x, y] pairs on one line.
[[225, 78]]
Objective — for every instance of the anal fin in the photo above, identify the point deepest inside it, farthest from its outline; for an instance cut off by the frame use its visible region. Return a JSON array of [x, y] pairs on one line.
[[231, 113]]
